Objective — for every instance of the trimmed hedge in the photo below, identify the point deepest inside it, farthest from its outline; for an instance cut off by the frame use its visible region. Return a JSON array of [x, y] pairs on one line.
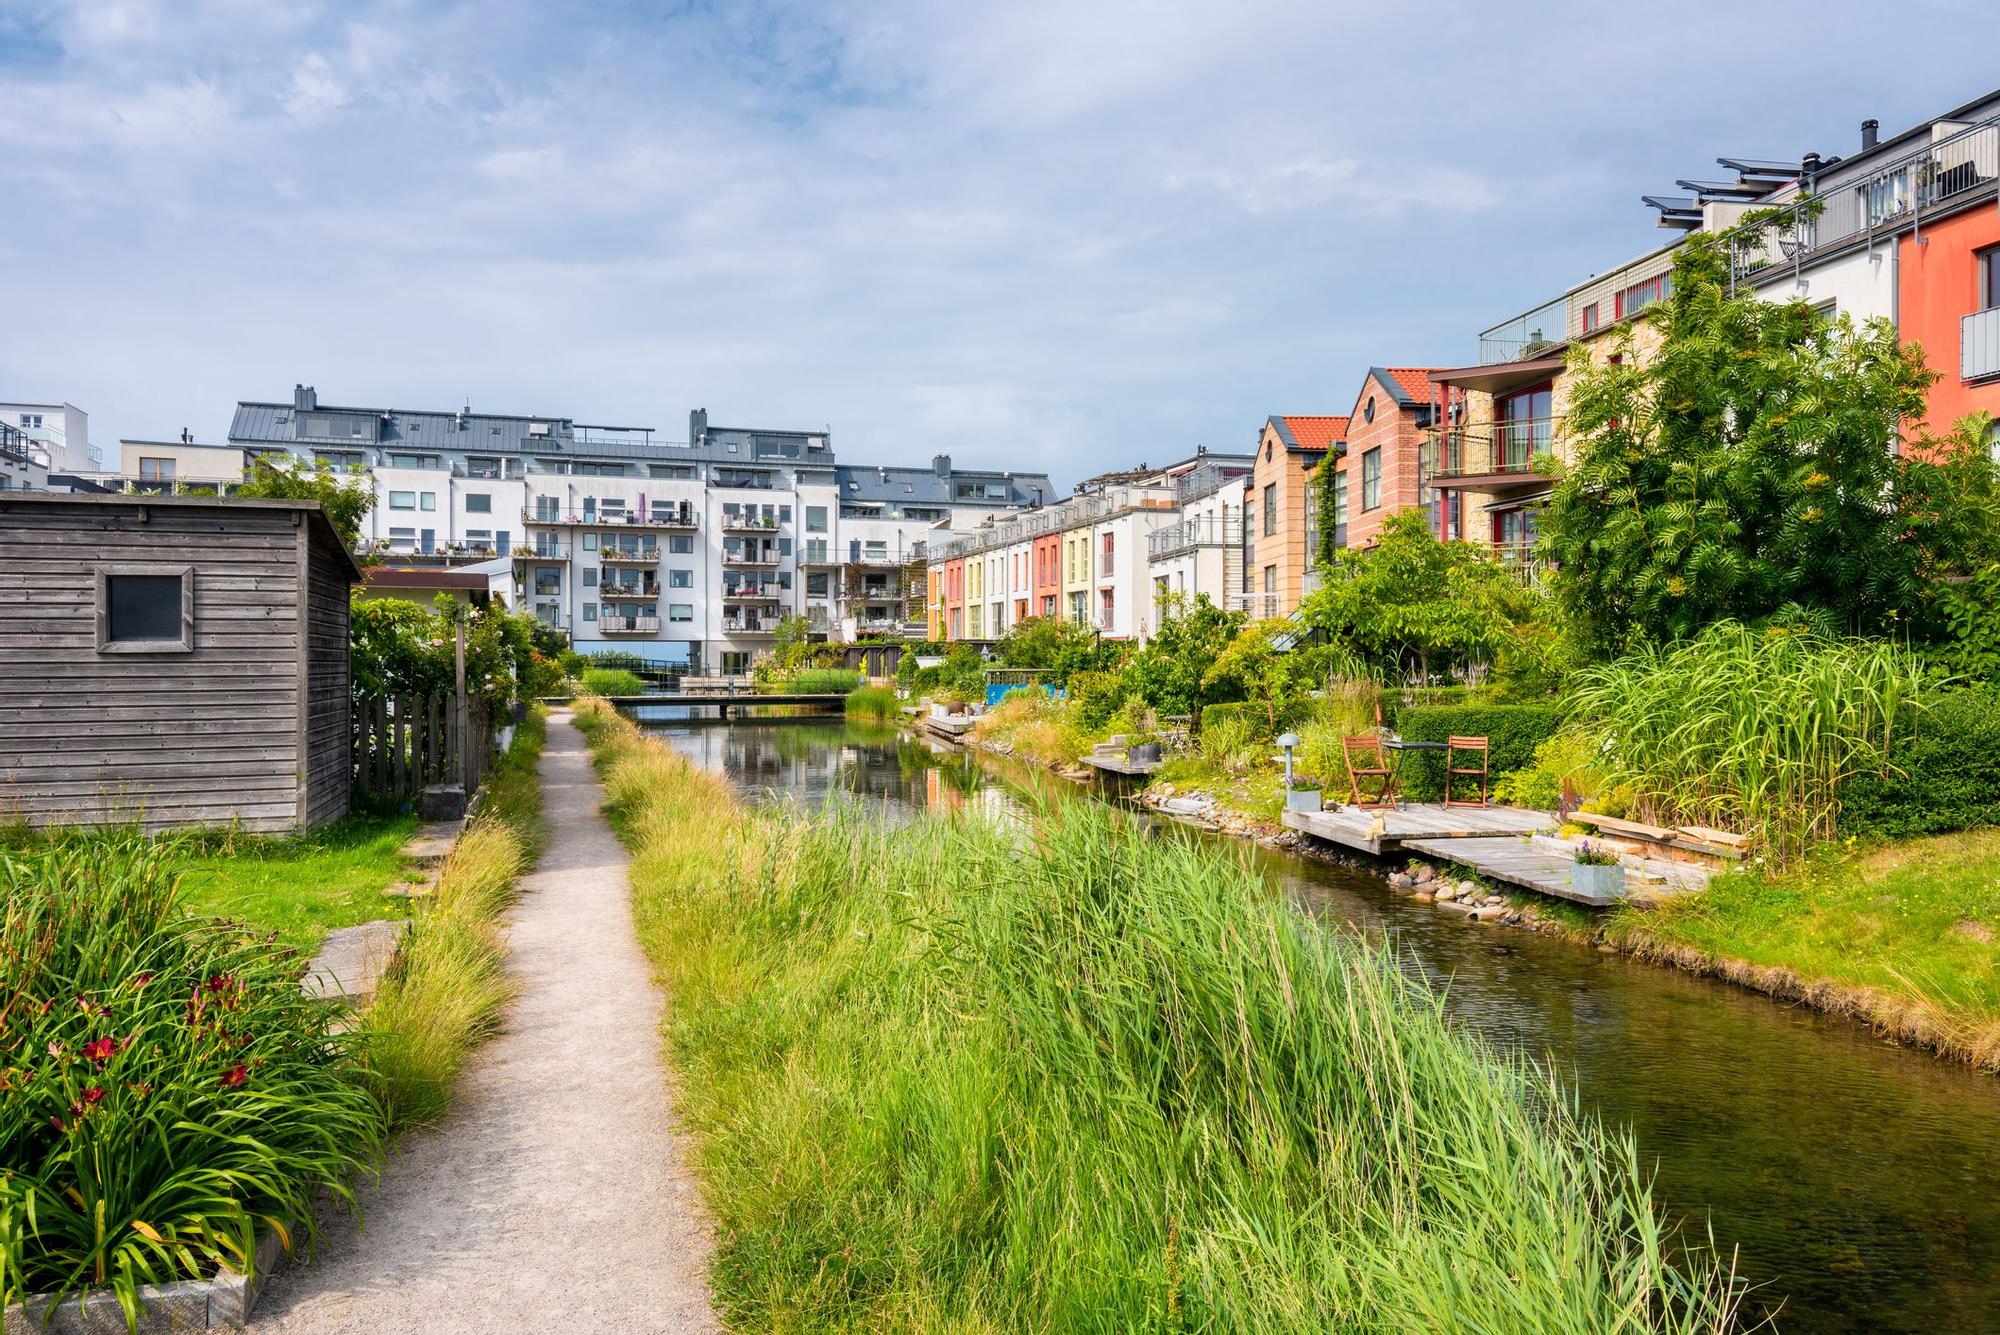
[[1945, 774], [1513, 732]]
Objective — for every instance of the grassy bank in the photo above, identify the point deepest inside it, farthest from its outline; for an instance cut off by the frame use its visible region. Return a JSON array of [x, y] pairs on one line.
[[445, 992], [1085, 1079], [305, 886], [1905, 936]]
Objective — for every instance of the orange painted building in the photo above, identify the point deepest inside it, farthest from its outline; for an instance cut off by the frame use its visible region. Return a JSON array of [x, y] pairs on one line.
[[952, 612], [1275, 510], [1047, 551], [1948, 301]]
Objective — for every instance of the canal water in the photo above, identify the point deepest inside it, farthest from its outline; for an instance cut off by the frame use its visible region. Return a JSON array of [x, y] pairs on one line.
[[1854, 1179]]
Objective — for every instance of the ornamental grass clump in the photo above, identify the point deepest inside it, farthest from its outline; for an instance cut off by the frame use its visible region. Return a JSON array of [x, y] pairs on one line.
[[876, 703], [1746, 730], [166, 1088], [1078, 1075]]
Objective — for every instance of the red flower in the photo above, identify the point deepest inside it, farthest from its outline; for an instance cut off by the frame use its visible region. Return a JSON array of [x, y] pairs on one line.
[[234, 1077], [141, 980], [57, 1123], [94, 1095], [101, 1049]]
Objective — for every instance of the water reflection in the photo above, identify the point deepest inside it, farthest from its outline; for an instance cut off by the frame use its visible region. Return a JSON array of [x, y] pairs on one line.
[[1851, 1174]]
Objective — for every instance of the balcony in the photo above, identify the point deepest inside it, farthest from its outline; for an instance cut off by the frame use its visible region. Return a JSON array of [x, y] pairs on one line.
[[754, 559], [750, 593], [1260, 606], [816, 552], [1521, 559], [610, 592], [750, 625], [541, 551], [748, 524], [1527, 335], [1491, 454], [1979, 345], [628, 625], [616, 557], [1186, 536], [682, 518]]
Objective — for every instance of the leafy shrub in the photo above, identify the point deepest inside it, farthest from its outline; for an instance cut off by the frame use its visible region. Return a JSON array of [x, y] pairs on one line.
[[824, 681], [1512, 732], [1036, 726], [1943, 775], [1566, 761], [573, 663], [872, 702], [1096, 696], [615, 658], [1233, 740], [169, 1088], [612, 681]]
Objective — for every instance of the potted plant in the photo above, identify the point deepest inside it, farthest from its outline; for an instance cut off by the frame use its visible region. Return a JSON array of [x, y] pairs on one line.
[[1598, 874], [1302, 794]]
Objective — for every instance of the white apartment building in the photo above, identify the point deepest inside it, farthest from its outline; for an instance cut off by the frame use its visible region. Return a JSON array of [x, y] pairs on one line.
[[23, 466], [59, 431], [687, 553], [1202, 551]]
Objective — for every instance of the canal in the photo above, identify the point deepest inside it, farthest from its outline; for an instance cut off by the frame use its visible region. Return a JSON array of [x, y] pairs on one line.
[[1851, 1177]]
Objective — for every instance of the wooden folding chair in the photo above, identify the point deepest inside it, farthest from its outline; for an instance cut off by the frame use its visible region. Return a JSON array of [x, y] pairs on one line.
[[1356, 750], [1472, 746]]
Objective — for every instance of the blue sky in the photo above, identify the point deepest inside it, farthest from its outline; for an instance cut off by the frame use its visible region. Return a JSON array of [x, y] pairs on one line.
[[1048, 234]]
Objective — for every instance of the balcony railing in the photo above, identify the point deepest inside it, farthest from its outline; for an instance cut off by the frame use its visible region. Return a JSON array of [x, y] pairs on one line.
[[542, 551], [1510, 449], [618, 556], [1890, 199], [682, 518], [1202, 531], [749, 558], [628, 625], [750, 593], [1979, 345], [1521, 559], [749, 626], [648, 592], [1526, 335], [1260, 606], [748, 524]]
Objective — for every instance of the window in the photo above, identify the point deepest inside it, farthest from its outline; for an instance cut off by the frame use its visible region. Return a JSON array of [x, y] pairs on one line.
[[478, 503], [1104, 608], [680, 611], [1105, 568], [1590, 318], [590, 577], [32, 421], [590, 542], [680, 544], [1368, 409], [1989, 278], [1371, 479], [402, 500], [548, 581], [1270, 508], [402, 537], [1641, 295], [1340, 498], [145, 609], [429, 499], [816, 584], [680, 579], [411, 460], [478, 466], [1270, 579], [502, 541], [590, 611], [156, 470]]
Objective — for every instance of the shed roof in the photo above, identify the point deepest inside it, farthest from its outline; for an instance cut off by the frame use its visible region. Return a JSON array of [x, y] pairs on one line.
[[1301, 431], [315, 513]]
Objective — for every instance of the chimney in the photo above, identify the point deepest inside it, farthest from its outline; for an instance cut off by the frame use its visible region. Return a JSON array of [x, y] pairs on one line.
[[1870, 133], [304, 398], [697, 425], [941, 464]]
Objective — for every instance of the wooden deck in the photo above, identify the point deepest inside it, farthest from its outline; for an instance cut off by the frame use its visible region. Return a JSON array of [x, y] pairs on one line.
[[1357, 829], [1543, 865], [1114, 762], [953, 726]]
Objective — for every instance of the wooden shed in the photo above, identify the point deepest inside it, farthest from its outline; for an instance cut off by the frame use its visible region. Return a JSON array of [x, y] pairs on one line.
[[171, 660]]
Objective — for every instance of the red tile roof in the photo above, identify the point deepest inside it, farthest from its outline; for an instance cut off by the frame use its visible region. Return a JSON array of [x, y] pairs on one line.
[[1415, 380], [1318, 433]]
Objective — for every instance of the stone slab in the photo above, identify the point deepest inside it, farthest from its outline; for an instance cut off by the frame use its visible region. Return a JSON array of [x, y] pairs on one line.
[[351, 960]]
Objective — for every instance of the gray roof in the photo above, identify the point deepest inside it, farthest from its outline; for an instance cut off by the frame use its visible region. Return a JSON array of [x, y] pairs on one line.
[[925, 486]]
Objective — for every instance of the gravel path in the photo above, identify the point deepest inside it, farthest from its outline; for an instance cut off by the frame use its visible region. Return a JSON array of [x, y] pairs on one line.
[[555, 1197]]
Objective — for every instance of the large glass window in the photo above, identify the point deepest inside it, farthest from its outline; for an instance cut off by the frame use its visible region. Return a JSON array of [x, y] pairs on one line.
[[1340, 497], [478, 503], [149, 612], [680, 579], [1371, 479], [402, 500], [1270, 508], [680, 544]]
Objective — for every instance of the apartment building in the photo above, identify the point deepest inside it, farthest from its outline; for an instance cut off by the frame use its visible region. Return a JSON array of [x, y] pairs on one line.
[[1201, 551], [58, 432], [1904, 229], [1278, 549], [1379, 472], [686, 552], [186, 462], [1086, 558], [23, 466]]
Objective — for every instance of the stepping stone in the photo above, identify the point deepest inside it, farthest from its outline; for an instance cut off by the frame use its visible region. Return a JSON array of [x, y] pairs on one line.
[[433, 842], [351, 960]]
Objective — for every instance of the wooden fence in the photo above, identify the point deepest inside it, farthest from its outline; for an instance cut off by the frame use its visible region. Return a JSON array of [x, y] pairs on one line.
[[403, 744]]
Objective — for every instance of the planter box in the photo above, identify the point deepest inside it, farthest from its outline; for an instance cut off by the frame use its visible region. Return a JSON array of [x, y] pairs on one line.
[[1598, 883], [1302, 799]]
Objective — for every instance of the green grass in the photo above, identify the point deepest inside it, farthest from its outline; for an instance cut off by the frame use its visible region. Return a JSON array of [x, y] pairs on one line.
[[1916, 922], [303, 886], [612, 681], [1258, 792], [877, 703], [445, 992], [1081, 1077]]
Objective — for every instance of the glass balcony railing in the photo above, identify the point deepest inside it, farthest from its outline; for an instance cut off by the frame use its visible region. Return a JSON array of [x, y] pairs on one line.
[[1497, 450]]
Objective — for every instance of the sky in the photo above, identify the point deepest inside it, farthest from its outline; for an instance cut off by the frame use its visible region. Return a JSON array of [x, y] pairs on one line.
[[1048, 235]]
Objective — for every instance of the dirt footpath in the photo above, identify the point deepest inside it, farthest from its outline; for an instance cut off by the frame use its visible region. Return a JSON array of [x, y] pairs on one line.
[[555, 1197]]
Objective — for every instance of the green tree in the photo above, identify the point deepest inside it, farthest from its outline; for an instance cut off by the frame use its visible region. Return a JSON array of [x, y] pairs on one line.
[[1058, 647], [1746, 471], [346, 496], [1169, 673], [1413, 603], [1263, 666]]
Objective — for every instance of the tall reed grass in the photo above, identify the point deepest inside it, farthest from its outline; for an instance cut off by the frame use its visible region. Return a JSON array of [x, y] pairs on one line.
[[878, 703], [959, 1077], [444, 994], [1036, 726], [1748, 731]]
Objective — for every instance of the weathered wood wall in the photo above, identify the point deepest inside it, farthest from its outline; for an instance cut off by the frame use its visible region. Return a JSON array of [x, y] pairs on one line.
[[328, 730], [207, 737]]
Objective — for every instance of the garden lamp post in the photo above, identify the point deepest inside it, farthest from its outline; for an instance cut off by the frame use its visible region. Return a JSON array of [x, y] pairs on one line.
[[1288, 741]]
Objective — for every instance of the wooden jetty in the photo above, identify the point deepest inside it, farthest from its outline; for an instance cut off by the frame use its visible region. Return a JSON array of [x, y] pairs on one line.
[[1117, 762], [1390, 828], [952, 727], [1543, 865]]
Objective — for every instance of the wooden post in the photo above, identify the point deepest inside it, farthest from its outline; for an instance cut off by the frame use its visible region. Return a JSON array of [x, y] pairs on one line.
[[461, 719]]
